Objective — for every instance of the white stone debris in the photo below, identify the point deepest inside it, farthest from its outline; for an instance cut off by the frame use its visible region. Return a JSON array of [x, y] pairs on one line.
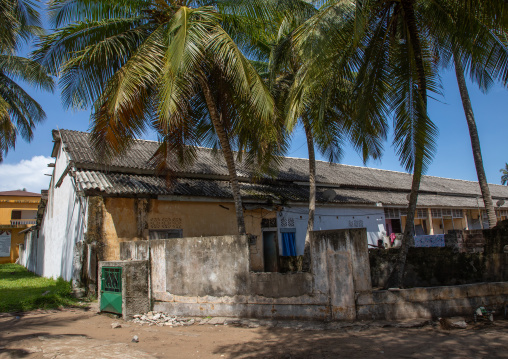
[[135, 339], [453, 323], [162, 319], [116, 325]]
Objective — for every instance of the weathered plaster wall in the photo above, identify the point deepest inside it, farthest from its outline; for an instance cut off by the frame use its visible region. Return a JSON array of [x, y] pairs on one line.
[[327, 218], [428, 267], [472, 256], [210, 276], [119, 224], [122, 217], [431, 302], [496, 239], [206, 218], [63, 226]]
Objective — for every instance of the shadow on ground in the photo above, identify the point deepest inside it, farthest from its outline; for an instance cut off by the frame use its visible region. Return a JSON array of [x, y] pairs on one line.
[[489, 341]]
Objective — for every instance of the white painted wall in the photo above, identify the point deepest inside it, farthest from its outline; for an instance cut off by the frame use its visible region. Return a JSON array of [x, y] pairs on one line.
[[339, 217], [63, 225]]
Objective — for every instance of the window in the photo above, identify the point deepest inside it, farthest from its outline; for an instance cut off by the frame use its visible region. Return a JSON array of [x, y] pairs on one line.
[[457, 213], [16, 215], [422, 213], [391, 213], [288, 242], [447, 212], [436, 213], [269, 223], [166, 234]]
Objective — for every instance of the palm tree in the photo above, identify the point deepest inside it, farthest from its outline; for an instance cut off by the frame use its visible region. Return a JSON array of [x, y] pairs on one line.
[[378, 46], [504, 177], [475, 142], [19, 112], [169, 65], [327, 119], [388, 49], [485, 63]]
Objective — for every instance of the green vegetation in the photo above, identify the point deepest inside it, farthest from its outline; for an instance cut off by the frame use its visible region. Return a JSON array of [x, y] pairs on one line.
[[21, 290], [19, 112], [504, 172]]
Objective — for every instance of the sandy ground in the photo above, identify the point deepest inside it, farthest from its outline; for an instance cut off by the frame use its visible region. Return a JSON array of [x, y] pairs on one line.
[[76, 333]]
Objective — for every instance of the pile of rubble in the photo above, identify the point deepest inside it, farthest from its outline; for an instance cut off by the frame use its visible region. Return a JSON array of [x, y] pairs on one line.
[[162, 319]]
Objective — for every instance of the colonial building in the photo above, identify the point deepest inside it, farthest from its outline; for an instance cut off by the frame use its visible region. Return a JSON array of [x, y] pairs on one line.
[[93, 205], [18, 210]]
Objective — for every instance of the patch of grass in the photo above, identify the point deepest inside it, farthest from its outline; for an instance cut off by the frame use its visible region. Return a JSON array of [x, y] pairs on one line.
[[21, 290]]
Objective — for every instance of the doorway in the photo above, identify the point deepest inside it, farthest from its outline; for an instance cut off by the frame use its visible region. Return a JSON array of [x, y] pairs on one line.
[[270, 251]]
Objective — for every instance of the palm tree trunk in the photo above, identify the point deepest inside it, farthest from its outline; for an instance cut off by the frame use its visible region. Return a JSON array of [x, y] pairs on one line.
[[397, 277], [312, 193], [227, 152], [475, 142]]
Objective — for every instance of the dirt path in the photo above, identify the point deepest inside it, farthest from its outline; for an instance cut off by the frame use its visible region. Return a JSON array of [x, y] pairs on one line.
[[75, 333]]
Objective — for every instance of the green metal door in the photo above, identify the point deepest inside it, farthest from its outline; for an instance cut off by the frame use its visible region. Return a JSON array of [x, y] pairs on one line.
[[111, 290]]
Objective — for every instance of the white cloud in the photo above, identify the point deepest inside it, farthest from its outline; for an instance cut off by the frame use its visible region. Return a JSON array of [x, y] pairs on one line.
[[29, 174]]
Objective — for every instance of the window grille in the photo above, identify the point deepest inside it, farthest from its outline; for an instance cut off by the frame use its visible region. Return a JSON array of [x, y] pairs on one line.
[[447, 212], [403, 212], [422, 213], [112, 280], [392, 213], [436, 212], [268, 222], [165, 223], [356, 223], [457, 213]]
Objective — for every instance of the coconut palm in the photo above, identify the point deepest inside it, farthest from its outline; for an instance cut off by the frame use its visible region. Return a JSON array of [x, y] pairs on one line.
[[327, 120], [168, 65], [486, 64], [504, 177], [19, 112], [388, 49], [475, 141], [378, 46]]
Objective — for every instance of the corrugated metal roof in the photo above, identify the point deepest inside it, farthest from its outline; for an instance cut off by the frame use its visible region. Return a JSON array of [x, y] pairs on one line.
[[124, 184], [133, 174], [151, 185]]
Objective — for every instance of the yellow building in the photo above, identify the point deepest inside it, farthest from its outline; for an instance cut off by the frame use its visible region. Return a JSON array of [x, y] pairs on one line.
[[18, 211]]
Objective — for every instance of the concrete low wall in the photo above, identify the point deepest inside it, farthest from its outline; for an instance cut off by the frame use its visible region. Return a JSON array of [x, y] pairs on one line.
[[209, 276], [431, 302]]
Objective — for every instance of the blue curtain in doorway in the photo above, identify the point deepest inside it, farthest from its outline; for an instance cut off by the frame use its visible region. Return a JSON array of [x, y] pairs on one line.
[[288, 244]]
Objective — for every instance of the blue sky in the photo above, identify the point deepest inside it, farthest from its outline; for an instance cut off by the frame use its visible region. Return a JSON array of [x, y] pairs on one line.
[[453, 158]]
